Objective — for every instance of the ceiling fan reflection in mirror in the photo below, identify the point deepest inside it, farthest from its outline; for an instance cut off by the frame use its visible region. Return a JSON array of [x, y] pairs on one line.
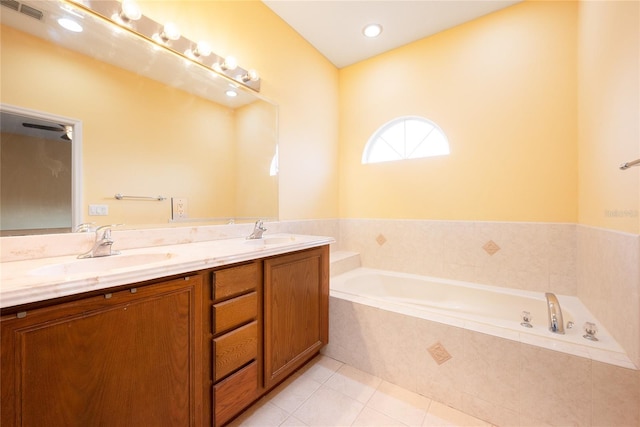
[[67, 131], [28, 124]]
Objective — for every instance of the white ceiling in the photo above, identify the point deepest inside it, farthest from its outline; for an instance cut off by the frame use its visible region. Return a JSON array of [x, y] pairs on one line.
[[334, 27]]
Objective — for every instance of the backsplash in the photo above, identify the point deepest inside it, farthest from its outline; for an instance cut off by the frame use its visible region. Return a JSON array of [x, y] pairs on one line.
[[17, 248], [532, 256]]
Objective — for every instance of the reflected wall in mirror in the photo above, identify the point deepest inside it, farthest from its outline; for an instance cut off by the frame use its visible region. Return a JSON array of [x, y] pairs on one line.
[[142, 136]]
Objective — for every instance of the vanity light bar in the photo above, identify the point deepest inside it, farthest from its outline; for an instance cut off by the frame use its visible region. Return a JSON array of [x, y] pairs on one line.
[[112, 11]]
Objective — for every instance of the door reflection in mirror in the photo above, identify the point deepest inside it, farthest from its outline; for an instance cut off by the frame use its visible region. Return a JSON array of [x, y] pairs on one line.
[[36, 163]]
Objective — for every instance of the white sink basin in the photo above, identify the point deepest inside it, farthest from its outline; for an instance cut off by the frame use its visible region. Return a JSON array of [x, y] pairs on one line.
[[98, 265], [270, 241]]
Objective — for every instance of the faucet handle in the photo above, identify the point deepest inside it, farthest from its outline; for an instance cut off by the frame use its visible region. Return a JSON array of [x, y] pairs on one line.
[[107, 230], [85, 227], [258, 229], [526, 319], [590, 330]]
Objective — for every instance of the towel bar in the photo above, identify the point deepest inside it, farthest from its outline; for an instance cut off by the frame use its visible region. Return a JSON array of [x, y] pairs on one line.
[[629, 164], [157, 198]]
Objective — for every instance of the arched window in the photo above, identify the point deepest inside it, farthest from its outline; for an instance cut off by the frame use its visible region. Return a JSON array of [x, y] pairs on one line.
[[408, 137]]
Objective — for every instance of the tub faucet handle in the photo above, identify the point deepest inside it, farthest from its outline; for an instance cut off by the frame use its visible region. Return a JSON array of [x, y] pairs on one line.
[[590, 330], [526, 319]]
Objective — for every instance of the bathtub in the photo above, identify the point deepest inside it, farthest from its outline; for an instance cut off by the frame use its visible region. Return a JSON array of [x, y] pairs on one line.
[[486, 309]]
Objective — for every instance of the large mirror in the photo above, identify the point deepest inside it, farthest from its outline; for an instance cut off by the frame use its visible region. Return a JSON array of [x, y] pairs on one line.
[[148, 124]]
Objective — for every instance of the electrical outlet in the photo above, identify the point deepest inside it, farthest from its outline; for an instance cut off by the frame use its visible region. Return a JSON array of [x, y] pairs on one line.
[[98, 210], [178, 207]]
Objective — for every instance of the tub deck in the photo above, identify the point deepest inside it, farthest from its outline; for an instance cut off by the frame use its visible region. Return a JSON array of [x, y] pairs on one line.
[[486, 309]]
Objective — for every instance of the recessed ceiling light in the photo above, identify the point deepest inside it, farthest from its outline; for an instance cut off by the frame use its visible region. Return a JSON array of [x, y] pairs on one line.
[[372, 30], [231, 93], [70, 25]]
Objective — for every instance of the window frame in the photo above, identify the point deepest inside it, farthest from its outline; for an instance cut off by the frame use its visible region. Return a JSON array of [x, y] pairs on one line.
[[377, 137]]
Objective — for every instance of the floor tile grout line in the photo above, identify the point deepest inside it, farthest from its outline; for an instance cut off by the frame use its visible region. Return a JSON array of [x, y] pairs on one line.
[[299, 375], [323, 383]]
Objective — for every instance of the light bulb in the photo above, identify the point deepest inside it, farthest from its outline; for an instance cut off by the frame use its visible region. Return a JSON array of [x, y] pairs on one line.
[[230, 63], [170, 32], [251, 76], [203, 49], [130, 11]]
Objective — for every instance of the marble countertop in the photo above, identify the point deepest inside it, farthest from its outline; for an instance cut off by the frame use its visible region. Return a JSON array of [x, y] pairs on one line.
[[41, 279]]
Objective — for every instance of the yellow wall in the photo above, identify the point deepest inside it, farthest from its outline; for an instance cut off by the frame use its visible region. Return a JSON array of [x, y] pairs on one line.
[[297, 77], [609, 114], [256, 141], [503, 89]]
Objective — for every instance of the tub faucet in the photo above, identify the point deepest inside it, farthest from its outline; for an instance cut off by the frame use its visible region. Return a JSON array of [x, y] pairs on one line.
[[258, 229], [556, 324], [102, 245]]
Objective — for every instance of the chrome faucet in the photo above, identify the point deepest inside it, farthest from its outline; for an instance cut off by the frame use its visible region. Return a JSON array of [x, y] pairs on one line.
[[102, 245], [556, 324], [258, 229]]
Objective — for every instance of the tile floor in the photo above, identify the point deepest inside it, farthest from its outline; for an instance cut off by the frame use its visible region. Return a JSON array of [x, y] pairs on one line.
[[329, 393]]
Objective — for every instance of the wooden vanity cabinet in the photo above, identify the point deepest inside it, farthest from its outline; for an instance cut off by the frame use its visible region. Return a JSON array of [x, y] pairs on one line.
[[269, 318], [131, 357], [236, 331], [296, 311], [191, 351]]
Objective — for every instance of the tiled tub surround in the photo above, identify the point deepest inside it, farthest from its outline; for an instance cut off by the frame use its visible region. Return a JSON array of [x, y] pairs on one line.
[[533, 256], [503, 381], [487, 309], [599, 266], [608, 277]]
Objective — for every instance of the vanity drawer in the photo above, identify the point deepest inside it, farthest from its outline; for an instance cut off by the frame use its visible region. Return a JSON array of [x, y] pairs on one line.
[[234, 312], [235, 349], [235, 280], [235, 393]]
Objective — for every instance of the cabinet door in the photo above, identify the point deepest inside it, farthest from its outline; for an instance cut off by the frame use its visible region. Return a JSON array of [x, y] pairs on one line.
[[128, 358], [296, 302]]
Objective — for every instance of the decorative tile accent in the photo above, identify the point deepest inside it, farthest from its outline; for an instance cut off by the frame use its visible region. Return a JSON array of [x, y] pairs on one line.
[[491, 247], [439, 353], [381, 239]]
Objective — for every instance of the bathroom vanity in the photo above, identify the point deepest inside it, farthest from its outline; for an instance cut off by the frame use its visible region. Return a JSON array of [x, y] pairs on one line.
[[187, 348]]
